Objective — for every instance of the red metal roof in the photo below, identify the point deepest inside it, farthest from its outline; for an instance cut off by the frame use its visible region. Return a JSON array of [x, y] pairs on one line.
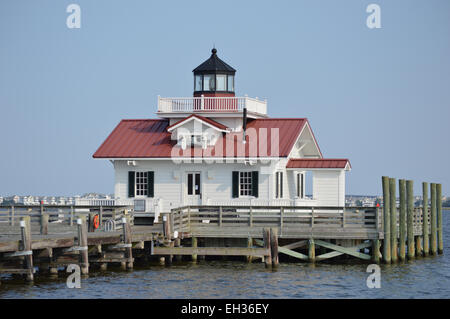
[[150, 139], [317, 163], [205, 119]]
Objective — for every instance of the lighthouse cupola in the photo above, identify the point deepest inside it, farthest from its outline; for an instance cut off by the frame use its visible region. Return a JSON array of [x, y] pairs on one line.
[[214, 78]]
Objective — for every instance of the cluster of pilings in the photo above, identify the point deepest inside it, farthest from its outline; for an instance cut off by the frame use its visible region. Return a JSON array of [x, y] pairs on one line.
[[400, 241]]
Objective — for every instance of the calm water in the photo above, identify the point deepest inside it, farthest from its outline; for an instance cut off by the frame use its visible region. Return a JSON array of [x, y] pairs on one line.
[[422, 278]]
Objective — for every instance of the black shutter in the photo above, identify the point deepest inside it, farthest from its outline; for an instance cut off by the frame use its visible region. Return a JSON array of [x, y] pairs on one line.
[[150, 184], [235, 182], [131, 184], [281, 184], [255, 183], [276, 185]]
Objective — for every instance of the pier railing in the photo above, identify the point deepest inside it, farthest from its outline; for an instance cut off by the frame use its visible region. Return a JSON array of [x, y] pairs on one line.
[[235, 221], [62, 217]]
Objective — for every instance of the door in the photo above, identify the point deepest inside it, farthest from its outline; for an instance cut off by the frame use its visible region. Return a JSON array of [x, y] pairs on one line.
[[194, 193]]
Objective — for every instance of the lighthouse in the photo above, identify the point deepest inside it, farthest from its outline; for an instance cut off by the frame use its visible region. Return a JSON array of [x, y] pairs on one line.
[[194, 153]]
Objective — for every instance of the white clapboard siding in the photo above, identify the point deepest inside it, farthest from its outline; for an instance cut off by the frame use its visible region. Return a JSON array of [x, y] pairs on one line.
[[329, 188]]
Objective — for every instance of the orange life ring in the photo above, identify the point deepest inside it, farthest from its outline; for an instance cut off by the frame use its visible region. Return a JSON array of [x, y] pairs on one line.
[[96, 222]]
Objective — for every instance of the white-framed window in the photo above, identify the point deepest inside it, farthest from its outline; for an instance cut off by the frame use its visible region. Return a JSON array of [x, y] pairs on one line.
[[221, 80], [279, 185], [245, 184], [141, 183], [300, 181]]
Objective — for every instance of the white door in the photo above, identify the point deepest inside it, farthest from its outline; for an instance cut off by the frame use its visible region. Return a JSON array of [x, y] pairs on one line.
[[193, 189]]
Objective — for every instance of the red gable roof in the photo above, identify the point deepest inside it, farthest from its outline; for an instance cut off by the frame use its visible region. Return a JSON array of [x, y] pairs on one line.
[[202, 118], [150, 139], [317, 163]]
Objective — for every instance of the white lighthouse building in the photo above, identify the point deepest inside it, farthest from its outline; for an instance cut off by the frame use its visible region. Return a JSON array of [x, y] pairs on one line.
[[215, 148]]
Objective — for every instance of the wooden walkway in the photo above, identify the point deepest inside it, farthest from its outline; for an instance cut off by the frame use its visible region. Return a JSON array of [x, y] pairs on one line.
[[51, 237]]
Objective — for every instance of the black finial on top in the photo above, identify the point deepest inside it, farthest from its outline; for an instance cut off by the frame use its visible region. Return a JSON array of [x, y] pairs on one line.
[[214, 51]]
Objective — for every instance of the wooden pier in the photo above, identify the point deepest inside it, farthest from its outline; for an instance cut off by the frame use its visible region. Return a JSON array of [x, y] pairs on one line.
[[50, 237]]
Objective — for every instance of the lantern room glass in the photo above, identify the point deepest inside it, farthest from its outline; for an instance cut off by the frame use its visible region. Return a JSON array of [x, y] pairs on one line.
[[209, 82], [221, 82], [198, 83], [231, 83]]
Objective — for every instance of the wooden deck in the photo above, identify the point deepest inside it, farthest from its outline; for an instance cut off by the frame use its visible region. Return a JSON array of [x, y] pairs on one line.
[[52, 237]]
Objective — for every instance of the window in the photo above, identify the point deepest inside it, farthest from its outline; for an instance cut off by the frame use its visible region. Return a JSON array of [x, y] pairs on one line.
[[230, 83], [300, 188], [221, 82], [141, 183], [193, 183], [209, 82], [279, 185], [245, 184], [198, 83]]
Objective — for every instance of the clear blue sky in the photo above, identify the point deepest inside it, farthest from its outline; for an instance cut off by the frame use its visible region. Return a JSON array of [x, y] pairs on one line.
[[380, 97]]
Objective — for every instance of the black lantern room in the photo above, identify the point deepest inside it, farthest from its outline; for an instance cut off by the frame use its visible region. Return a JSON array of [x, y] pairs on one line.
[[214, 77]]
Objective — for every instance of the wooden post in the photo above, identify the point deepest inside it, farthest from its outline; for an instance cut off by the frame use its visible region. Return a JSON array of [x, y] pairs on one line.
[[71, 216], [267, 245], [311, 250], [433, 221], [26, 242], [418, 246], [402, 228], [44, 224], [11, 212], [440, 235], [165, 224], [393, 211], [100, 217], [425, 223], [177, 243], [249, 245], [82, 244], [127, 241], [387, 221], [220, 216], [376, 251], [194, 245], [274, 246], [410, 218]]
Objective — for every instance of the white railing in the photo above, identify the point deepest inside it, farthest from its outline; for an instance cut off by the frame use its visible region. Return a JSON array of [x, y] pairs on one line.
[[211, 104], [307, 202]]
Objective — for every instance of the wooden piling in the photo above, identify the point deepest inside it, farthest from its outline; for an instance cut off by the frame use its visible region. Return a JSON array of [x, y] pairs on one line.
[[440, 235], [127, 241], [410, 218], [194, 245], [11, 216], [82, 244], [433, 220], [274, 246], [425, 223], [26, 242], [387, 221], [402, 219], [393, 211], [267, 245], [311, 250], [376, 251], [249, 245], [44, 224], [418, 246]]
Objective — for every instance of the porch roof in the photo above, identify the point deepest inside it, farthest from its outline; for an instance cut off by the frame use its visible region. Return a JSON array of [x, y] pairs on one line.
[[319, 163]]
